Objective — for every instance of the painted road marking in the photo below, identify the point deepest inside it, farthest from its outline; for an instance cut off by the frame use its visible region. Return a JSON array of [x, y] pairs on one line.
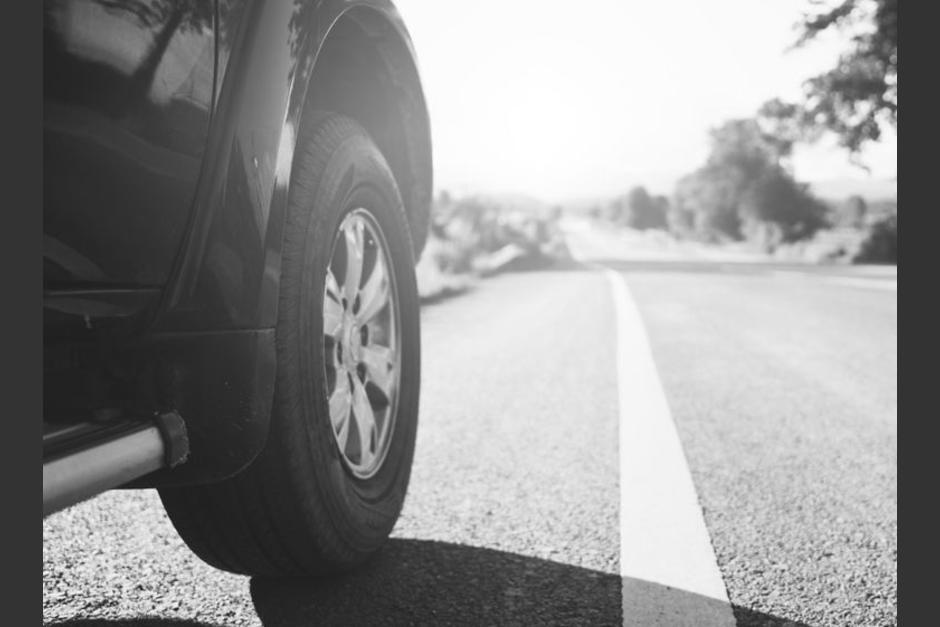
[[667, 564]]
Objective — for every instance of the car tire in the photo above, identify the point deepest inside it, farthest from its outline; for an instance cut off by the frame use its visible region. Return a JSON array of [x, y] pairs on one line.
[[315, 502]]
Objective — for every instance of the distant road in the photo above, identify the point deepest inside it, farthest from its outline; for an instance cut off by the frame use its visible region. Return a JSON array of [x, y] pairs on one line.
[[776, 432]]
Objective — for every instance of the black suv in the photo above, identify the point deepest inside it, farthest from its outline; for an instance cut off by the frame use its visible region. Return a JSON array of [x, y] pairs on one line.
[[235, 193]]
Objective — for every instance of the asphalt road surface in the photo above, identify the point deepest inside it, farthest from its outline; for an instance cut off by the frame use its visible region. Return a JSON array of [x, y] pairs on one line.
[[609, 441]]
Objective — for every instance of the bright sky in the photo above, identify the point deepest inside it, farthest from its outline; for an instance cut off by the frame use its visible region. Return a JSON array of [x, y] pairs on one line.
[[561, 99]]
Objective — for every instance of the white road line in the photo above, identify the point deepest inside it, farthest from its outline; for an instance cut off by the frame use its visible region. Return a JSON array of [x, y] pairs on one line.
[[667, 564]]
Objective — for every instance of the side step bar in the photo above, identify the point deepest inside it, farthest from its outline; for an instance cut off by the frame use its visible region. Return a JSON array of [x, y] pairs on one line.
[[80, 463]]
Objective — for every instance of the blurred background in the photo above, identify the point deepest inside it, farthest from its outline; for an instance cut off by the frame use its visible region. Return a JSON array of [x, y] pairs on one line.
[[762, 129]]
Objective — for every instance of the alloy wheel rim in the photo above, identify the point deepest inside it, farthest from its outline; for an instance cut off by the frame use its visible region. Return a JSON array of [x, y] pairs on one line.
[[361, 342]]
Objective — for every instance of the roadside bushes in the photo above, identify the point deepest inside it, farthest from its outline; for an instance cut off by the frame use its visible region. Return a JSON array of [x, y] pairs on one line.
[[477, 236], [873, 238], [881, 242]]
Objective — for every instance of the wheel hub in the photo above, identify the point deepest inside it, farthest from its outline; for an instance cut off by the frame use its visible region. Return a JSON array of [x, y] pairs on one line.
[[361, 335], [352, 341]]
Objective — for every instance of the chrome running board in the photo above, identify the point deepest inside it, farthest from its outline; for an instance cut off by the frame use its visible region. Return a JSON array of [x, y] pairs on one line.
[[85, 459]]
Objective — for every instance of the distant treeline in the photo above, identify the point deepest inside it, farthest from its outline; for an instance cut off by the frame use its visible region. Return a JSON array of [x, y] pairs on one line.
[[745, 191]]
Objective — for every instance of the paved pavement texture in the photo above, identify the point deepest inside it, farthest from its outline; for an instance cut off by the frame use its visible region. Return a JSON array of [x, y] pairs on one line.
[[781, 387]]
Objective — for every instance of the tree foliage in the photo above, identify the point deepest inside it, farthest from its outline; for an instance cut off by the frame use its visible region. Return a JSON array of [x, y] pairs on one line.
[[745, 188], [644, 211], [637, 209], [881, 242], [852, 212], [857, 98]]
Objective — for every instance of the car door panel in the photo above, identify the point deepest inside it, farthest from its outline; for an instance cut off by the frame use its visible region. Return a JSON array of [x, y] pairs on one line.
[[128, 95]]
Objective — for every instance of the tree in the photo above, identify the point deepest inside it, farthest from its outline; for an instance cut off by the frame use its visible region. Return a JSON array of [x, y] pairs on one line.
[[705, 204], [643, 211], [679, 218], [662, 208], [857, 98], [853, 211], [616, 210], [775, 208], [744, 189], [881, 242]]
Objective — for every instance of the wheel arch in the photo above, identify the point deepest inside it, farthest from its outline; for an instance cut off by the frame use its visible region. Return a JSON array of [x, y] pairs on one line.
[[365, 68], [354, 57]]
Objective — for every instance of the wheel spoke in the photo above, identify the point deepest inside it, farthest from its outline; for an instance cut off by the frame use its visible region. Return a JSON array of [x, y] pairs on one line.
[[332, 317], [333, 288], [375, 293], [340, 408], [380, 367], [355, 251], [365, 421], [342, 435], [332, 306]]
